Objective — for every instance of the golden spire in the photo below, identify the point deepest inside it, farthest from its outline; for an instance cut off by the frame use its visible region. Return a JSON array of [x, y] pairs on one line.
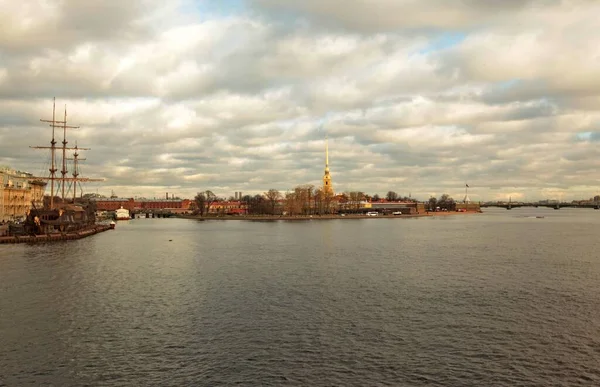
[[327, 187], [326, 153]]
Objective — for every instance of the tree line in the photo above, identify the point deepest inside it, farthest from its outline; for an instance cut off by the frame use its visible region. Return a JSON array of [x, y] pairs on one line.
[[301, 200], [445, 202]]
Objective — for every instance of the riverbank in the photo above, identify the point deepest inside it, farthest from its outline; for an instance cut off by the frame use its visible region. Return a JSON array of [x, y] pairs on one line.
[[322, 217]]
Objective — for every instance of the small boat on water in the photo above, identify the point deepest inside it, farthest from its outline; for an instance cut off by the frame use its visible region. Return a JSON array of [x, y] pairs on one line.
[[122, 214]]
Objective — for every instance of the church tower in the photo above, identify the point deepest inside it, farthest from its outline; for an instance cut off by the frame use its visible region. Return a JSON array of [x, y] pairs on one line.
[[327, 187]]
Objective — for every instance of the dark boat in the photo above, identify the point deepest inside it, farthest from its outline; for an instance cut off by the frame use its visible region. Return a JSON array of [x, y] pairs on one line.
[[71, 217]]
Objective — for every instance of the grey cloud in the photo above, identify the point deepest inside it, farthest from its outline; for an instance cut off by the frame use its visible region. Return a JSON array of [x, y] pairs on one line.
[[244, 102], [60, 25], [393, 15]]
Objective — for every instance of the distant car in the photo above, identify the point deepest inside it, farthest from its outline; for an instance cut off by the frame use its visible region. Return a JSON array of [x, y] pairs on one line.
[[372, 213], [397, 213]]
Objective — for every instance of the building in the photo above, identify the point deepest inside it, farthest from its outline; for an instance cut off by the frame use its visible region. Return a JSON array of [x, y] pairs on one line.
[[18, 193], [143, 205], [228, 207], [406, 208], [327, 186], [382, 206]]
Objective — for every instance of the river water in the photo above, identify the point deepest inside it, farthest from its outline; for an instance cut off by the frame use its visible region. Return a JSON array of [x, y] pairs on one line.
[[495, 299]]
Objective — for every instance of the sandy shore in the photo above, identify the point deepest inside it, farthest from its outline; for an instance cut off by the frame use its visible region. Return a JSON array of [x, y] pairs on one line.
[[322, 217]]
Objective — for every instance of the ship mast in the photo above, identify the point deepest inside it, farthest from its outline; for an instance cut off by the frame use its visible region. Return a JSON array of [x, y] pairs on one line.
[[52, 152], [63, 179], [64, 154], [76, 160]]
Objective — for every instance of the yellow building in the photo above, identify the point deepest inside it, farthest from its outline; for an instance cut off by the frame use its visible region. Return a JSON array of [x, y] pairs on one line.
[[17, 193], [327, 186]]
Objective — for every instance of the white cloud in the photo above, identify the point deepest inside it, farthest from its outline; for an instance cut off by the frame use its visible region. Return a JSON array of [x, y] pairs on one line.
[[415, 96]]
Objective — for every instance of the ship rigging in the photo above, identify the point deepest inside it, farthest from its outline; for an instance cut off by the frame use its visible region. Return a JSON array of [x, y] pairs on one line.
[[59, 183]]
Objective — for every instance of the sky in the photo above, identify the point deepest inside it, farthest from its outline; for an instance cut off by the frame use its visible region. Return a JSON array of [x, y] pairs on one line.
[[417, 97]]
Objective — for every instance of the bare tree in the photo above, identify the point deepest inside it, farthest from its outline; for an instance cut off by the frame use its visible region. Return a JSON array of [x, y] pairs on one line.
[[209, 199], [292, 203], [199, 203], [303, 198], [272, 196], [319, 200], [328, 201], [355, 199]]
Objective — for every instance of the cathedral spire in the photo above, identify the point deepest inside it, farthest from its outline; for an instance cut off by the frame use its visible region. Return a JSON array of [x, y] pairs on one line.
[[327, 187], [326, 152]]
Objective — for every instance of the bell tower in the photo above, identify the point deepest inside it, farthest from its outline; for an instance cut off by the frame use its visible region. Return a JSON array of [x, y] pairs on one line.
[[327, 187]]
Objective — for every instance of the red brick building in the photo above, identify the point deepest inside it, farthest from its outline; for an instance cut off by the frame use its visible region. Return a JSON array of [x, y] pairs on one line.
[[111, 204]]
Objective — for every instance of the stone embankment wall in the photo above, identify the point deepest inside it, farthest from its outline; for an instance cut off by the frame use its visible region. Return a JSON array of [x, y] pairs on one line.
[[468, 206]]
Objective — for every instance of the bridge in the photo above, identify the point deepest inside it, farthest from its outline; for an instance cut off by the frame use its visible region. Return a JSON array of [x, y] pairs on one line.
[[151, 214], [556, 206]]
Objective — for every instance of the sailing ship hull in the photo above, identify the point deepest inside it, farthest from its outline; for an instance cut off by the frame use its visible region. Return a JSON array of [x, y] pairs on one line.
[[65, 219], [50, 220]]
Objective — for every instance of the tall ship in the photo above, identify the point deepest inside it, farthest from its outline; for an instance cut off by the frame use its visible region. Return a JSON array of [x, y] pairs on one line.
[[62, 211]]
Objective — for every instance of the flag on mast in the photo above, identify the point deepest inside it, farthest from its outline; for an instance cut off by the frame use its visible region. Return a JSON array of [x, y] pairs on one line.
[[467, 185]]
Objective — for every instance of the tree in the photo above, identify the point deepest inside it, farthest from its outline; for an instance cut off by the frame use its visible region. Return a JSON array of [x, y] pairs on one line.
[[319, 200], [247, 200], [432, 203], [391, 196], [323, 201], [355, 199], [303, 199], [199, 202], [256, 205], [307, 198], [447, 203], [273, 196], [209, 199], [328, 201], [292, 203], [376, 198]]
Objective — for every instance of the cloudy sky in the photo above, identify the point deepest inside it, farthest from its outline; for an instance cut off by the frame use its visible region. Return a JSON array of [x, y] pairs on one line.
[[416, 96]]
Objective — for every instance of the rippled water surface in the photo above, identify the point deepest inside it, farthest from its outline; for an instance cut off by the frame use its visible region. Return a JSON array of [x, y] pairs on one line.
[[495, 299]]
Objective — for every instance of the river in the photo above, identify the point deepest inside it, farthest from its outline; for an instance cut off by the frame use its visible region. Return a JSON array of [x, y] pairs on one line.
[[495, 299]]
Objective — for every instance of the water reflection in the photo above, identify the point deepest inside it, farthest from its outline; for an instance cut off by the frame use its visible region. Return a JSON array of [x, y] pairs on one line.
[[492, 299]]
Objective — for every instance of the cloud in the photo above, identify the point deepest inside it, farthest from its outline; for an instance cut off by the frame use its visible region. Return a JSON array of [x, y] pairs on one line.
[[393, 15], [415, 96]]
